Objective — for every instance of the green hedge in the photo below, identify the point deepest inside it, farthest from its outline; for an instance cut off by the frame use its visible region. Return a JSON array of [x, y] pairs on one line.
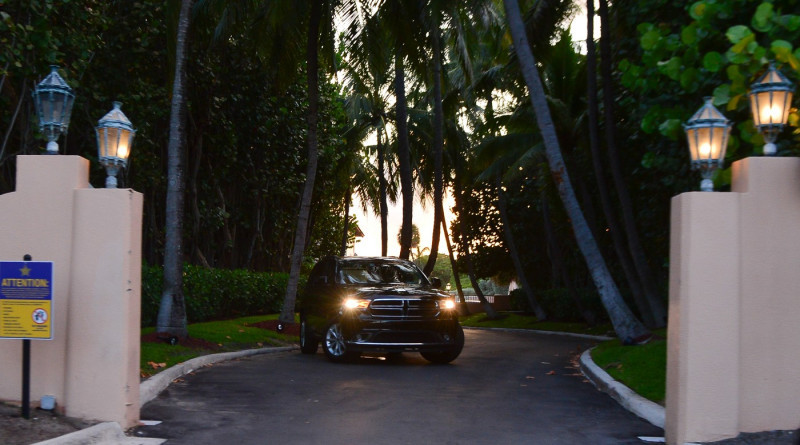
[[559, 305], [216, 294]]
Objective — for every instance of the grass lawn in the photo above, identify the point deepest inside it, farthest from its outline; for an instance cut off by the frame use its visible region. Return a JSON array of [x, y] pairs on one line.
[[520, 321], [641, 368], [209, 338]]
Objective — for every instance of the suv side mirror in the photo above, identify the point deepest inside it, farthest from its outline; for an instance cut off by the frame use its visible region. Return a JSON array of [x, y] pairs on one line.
[[436, 283]]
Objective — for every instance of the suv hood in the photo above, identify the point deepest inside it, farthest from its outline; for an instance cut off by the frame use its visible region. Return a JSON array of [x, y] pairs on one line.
[[397, 291]]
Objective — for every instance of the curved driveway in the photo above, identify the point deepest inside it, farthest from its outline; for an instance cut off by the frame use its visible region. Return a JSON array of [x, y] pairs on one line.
[[505, 388]]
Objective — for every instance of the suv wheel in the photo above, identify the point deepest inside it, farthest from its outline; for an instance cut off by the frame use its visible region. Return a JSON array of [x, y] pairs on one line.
[[334, 345], [447, 356], [308, 342]]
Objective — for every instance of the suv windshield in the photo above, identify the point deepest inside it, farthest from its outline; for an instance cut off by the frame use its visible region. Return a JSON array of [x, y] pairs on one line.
[[370, 272]]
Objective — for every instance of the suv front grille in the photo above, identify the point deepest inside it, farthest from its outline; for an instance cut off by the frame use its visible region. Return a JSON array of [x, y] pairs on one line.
[[403, 308]]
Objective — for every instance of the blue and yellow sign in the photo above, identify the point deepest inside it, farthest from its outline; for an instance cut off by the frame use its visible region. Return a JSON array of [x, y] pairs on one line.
[[26, 299]]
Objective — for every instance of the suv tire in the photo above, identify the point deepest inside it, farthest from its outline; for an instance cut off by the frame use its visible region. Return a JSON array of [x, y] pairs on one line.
[[334, 345], [441, 358], [308, 341]]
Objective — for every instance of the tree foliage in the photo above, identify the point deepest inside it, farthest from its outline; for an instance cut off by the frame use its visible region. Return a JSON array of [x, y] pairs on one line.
[[245, 136]]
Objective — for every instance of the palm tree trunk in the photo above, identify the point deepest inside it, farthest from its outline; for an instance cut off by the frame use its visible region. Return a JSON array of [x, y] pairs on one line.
[[438, 143], [404, 157], [620, 246], [464, 308], [654, 299], [384, 206], [502, 206], [287, 313], [343, 250], [171, 320], [628, 328]]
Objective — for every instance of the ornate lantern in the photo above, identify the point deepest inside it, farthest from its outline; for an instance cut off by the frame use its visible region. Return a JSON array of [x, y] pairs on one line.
[[114, 139], [707, 133]]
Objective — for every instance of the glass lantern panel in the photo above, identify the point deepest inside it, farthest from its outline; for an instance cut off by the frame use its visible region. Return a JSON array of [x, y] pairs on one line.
[[113, 142], [706, 143], [770, 107]]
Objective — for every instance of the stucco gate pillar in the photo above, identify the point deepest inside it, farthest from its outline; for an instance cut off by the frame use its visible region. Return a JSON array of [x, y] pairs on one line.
[[93, 238], [733, 348]]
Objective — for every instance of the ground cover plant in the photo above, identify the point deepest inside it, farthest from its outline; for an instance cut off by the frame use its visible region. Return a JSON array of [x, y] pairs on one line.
[[212, 337], [522, 321], [642, 368]]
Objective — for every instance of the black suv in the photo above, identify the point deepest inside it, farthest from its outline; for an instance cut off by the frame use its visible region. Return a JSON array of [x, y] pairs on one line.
[[384, 305]]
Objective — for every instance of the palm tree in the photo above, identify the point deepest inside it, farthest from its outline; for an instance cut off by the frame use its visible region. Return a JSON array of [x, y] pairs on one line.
[[402, 21], [282, 22], [403, 157], [438, 138], [312, 73], [619, 243], [366, 66], [627, 327], [171, 321], [654, 300], [414, 240]]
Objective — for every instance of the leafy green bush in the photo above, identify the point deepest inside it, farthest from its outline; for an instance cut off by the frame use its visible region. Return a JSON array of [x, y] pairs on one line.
[[558, 304], [216, 294]]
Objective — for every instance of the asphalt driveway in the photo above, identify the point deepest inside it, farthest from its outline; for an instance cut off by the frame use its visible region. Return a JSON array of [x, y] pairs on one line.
[[505, 388]]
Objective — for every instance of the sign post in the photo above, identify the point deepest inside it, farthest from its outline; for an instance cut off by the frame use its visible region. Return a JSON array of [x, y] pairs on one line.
[[26, 303]]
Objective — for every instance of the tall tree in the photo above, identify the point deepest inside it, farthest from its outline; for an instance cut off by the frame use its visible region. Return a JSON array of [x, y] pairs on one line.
[[367, 64], [438, 139], [627, 327], [403, 155], [312, 67], [620, 246], [382, 184], [654, 300], [172, 310]]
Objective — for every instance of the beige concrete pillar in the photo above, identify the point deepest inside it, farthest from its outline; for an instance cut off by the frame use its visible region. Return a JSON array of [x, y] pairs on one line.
[[769, 190], [732, 361], [37, 220], [93, 238], [106, 262], [702, 373]]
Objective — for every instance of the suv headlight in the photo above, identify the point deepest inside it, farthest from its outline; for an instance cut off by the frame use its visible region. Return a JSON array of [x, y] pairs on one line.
[[447, 304], [355, 303]]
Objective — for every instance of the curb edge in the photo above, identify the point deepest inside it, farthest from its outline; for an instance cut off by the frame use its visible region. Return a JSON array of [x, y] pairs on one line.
[[644, 408]]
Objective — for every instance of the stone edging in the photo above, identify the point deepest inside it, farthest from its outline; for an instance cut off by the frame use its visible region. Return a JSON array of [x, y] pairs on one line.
[[559, 333]]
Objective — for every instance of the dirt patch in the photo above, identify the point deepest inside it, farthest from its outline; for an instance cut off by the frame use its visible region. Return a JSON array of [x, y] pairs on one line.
[[42, 425], [272, 325], [189, 342]]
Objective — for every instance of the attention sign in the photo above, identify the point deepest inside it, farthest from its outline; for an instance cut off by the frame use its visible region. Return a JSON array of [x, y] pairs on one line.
[[26, 299]]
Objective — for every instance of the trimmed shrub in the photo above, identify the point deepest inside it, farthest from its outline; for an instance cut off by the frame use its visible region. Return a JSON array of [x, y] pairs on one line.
[[216, 294], [559, 305]]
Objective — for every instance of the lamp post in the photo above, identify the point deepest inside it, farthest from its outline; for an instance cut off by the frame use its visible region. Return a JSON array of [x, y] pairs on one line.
[[707, 133], [114, 139], [770, 100], [53, 100]]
